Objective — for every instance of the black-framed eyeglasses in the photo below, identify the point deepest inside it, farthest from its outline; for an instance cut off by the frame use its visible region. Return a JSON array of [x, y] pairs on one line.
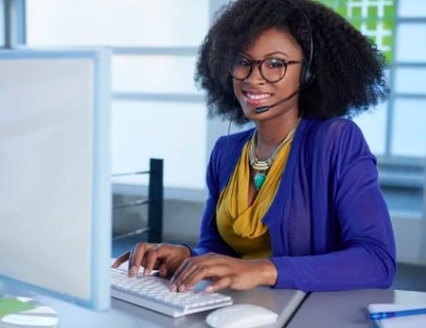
[[271, 69]]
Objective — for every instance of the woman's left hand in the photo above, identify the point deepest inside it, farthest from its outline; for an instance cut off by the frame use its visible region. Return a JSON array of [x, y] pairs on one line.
[[225, 272]]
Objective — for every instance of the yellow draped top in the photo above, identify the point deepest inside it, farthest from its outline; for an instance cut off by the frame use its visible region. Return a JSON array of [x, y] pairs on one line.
[[239, 223]]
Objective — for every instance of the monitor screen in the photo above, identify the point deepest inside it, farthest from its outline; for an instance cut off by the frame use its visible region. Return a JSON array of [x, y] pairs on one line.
[[55, 194]]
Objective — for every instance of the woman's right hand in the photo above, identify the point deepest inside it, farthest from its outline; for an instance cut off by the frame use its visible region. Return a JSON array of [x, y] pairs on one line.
[[163, 257]]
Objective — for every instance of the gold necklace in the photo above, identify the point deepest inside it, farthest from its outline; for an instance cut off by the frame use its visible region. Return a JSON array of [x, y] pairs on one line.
[[262, 167]]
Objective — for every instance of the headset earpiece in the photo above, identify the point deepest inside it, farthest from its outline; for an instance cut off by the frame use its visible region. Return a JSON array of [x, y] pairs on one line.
[[306, 76]]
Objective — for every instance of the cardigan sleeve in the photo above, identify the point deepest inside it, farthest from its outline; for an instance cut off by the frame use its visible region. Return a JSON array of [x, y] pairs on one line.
[[210, 240], [367, 257]]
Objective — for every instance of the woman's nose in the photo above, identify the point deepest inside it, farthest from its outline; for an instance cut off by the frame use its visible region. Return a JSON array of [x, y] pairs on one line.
[[255, 76]]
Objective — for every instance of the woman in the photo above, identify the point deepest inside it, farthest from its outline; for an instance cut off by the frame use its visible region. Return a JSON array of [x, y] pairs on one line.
[[295, 202]]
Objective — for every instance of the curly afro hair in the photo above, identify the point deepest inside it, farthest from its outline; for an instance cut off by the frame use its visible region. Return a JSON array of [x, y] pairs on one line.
[[348, 67]]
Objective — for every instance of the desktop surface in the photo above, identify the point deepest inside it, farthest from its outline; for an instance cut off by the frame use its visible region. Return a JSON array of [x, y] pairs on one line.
[[122, 314], [348, 309]]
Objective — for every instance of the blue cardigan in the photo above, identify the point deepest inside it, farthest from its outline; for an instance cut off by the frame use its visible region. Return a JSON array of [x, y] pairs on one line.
[[329, 224]]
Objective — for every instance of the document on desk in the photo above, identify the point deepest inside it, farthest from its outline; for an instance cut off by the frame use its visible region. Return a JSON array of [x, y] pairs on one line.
[[398, 315]]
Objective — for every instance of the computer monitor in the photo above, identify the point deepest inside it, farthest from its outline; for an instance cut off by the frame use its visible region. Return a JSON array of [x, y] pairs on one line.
[[55, 194]]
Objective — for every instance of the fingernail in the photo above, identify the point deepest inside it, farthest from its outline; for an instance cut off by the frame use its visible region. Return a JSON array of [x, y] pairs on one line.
[[133, 271], [209, 289], [182, 288]]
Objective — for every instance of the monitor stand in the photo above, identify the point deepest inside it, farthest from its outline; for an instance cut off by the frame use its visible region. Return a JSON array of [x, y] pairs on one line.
[[24, 312]]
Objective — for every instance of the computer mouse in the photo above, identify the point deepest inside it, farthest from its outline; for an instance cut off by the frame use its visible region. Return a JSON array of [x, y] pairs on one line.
[[241, 316]]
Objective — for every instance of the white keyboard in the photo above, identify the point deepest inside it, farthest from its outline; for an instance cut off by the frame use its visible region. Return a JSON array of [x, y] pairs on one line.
[[152, 292]]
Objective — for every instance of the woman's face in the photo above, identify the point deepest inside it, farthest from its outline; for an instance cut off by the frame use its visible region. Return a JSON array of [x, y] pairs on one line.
[[271, 81]]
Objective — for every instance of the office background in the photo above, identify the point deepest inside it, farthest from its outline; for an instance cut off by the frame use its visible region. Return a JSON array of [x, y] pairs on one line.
[[157, 111]]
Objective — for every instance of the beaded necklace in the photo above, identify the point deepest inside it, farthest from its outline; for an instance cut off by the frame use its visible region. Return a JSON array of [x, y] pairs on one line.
[[261, 167]]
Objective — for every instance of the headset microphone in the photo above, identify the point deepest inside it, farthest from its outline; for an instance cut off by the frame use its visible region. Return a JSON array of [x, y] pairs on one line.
[[260, 110]]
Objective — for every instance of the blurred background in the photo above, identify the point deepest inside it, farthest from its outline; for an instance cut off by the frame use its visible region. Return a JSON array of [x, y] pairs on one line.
[[158, 113]]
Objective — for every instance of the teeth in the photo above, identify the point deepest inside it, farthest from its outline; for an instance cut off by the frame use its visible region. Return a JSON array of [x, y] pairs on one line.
[[258, 96]]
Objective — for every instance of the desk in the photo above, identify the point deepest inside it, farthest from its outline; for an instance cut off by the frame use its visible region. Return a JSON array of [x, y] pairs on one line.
[[347, 309], [125, 315]]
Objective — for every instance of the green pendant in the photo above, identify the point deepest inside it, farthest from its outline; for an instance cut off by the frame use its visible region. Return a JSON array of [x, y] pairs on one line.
[[259, 179]]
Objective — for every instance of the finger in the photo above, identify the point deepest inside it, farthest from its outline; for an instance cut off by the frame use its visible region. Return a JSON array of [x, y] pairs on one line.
[[121, 259], [152, 258], [181, 274], [204, 272], [163, 270], [186, 263], [179, 270], [221, 283], [135, 262], [132, 257], [191, 264], [193, 274], [184, 283]]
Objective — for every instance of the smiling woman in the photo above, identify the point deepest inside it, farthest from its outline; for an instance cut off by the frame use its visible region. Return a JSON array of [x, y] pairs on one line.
[[295, 202]]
